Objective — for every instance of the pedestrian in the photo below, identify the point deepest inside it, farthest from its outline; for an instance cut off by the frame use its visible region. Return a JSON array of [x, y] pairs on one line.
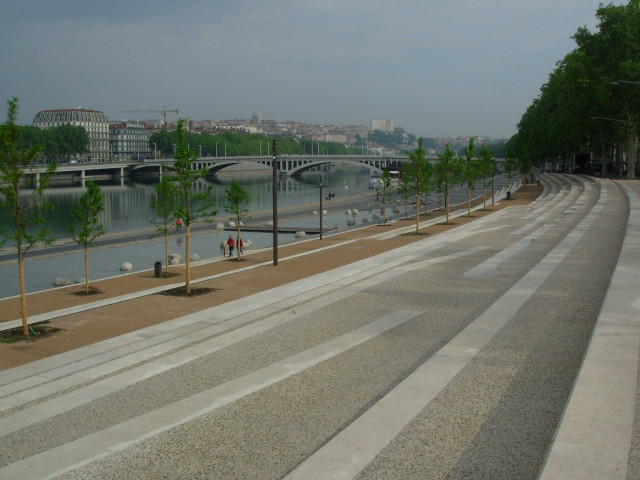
[[230, 244], [240, 244], [178, 224]]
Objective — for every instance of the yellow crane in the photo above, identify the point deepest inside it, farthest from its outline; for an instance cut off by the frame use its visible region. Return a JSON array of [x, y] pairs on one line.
[[163, 112]]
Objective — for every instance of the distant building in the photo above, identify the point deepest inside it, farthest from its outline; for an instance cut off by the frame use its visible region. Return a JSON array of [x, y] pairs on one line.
[[95, 123], [255, 119], [129, 141], [385, 126]]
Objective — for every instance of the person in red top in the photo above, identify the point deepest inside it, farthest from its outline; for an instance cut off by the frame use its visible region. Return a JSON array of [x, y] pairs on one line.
[[230, 244], [240, 244]]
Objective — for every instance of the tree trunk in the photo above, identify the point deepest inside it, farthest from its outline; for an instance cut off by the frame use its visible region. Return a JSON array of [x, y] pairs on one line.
[[188, 271], [238, 238], [417, 212], [166, 253], [86, 271], [23, 296], [446, 207]]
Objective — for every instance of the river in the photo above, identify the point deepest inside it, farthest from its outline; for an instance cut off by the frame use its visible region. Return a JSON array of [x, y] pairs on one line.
[[127, 210]]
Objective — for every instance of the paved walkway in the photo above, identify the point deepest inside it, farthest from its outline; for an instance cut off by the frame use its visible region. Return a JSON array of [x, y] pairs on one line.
[[406, 361]]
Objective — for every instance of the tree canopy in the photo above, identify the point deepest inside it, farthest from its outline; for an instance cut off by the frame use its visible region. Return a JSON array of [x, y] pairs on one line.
[[591, 101]]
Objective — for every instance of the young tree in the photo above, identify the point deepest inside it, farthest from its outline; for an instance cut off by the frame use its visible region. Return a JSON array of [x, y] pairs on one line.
[[469, 171], [448, 172], [25, 210], [405, 191], [164, 206], [193, 207], [486, 164], [89, 227], [384, 192], [237, 199], [418, 171]]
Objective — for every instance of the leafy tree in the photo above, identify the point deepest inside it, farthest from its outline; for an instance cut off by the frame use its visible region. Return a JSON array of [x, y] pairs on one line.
[[89, 227], [406, 192], [486, 165], [60, 142], [447, 173], [469, 170], [418, 170], [384, 192], [584, 104], [25, 210], [524, 167], [193, 207], [237, 199], [164, 206]]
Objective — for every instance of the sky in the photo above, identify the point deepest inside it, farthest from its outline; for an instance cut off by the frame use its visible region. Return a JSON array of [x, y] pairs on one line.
[[436, 68]]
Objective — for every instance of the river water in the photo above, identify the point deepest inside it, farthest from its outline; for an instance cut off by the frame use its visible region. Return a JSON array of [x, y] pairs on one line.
[[127, 209]]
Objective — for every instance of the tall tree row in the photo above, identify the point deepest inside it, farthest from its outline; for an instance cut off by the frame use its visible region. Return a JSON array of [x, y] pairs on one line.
[[591, 101]]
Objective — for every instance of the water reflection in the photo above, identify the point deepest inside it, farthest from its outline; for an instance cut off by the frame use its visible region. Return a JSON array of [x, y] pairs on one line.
[[127, 201]]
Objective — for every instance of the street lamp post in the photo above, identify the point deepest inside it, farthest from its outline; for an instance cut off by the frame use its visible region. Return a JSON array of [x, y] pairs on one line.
[[631, 154], [274, 165], [320, 208]]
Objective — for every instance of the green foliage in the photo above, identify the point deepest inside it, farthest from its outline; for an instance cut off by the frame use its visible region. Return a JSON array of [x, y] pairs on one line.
[[448, 171], [60, 142], [406, 192], [389, 140], [582, 105], [242, 144], [384, 192], [469, 164], [486, 170], [237, 198], [87, 216], [510, 165], [193, 206], [164, 206], [419, 171], [26, 210]]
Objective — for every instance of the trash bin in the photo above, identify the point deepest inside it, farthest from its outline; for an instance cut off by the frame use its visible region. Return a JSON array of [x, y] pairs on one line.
[[158, 269], [509, 195]]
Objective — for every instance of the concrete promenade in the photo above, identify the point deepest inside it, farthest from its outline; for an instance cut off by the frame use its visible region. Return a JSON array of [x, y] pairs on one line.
[[504, 346]]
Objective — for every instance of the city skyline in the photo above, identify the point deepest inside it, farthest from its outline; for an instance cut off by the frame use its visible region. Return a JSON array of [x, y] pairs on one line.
[[436, 70]]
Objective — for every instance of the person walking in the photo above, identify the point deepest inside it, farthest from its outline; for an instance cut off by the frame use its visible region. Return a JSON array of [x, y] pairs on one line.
[[230, 244], [240, 245], [178, 224]]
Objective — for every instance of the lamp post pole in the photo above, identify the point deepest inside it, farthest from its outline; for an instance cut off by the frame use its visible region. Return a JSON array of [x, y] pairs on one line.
[[320, 206], [493, 184], [274, 163], [631, 152]]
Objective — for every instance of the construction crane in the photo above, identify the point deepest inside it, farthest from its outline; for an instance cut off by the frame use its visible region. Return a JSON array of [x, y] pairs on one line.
[[163, 112]]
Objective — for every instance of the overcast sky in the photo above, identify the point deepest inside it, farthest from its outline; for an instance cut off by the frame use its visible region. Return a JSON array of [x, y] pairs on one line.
[[434, 67]]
